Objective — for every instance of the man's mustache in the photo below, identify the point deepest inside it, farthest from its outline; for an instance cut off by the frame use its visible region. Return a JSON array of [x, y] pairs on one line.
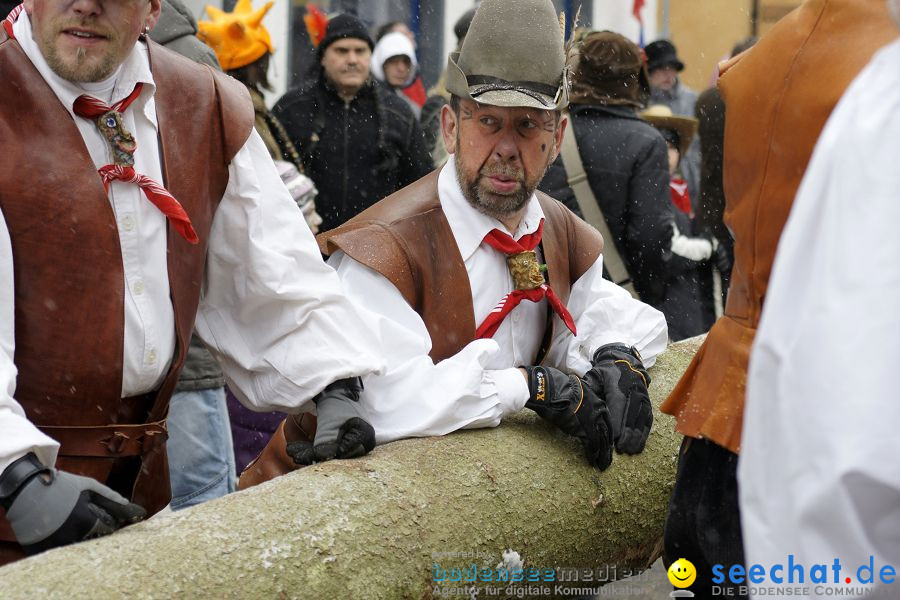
[[503, 170], [89, 24]]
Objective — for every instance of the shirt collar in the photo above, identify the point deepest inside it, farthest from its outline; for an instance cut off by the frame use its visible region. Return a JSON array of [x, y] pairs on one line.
[[135, 69], [470, 226]]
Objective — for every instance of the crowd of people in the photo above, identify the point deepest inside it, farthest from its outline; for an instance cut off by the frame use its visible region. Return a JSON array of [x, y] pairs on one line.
[[515, 237]]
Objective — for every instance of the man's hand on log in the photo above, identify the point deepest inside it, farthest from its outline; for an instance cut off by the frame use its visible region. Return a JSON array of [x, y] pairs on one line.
[[568, 403], [619, 377], [341, 431], [48, 508]]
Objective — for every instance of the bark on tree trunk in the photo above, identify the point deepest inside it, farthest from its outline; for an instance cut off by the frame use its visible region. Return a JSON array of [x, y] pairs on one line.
[[384, 526]]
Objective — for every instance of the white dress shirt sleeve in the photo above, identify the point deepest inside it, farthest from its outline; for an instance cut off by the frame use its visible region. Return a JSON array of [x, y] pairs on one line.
[[18, 435], [414, 396], [605, 313], [271, 310], [819, 476]]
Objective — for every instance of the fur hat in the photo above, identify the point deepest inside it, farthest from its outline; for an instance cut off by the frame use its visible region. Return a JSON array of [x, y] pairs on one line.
[[661, 117], [342, 27], [511, 56], [238, 38], [609, 70]]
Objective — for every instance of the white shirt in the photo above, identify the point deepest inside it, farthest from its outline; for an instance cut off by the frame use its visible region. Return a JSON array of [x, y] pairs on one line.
[[480, 384], [819, 474], [271, 310]]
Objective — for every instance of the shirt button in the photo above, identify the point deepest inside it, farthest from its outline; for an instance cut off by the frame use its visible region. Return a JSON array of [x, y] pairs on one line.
[[151, 357], [138, 288], [128, 223]]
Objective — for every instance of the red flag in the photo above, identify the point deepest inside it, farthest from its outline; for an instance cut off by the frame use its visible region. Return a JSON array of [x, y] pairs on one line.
[[636, 10]]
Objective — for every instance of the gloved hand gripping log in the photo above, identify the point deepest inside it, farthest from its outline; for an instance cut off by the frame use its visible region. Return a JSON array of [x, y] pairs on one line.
[[341, 430], [48, 508], [609, 406]]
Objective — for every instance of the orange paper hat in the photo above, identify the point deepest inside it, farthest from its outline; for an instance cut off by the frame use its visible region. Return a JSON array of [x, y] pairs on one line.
[[239, 37]]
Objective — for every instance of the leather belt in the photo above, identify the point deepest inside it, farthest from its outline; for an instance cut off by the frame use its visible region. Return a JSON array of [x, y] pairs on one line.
[[105, 441]]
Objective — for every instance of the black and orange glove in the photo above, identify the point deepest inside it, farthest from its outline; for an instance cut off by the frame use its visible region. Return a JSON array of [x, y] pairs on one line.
[[568, 403], [619, 377]]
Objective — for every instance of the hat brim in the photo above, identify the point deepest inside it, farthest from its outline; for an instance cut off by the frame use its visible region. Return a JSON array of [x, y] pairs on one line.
[[675, 63], [458, 84], [512, 99], [685, 126]]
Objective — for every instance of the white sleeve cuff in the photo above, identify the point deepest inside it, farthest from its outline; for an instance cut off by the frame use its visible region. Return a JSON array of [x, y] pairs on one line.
[[509, 387]]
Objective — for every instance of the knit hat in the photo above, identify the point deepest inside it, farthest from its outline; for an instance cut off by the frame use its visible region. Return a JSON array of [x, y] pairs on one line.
[[610, 70], [341, 27], [238, 38]]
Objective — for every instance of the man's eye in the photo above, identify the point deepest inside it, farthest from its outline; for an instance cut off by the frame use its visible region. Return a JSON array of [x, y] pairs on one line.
[[528, 125], [490, 121]]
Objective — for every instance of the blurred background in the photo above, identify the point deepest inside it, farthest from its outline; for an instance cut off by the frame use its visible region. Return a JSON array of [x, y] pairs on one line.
[[704, 31]]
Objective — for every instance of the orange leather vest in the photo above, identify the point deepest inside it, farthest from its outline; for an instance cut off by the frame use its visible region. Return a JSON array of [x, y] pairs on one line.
[[778, 96], [406, 238], [68, 274]]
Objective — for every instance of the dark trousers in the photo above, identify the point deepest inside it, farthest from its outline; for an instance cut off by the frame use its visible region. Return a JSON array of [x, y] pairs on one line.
[[704, 521]]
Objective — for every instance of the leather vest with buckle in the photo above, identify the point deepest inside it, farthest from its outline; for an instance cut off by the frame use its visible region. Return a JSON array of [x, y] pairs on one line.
[[67, 264]]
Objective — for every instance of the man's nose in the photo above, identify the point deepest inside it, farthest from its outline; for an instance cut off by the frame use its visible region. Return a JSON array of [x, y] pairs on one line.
[[87, 7], [506, 148]]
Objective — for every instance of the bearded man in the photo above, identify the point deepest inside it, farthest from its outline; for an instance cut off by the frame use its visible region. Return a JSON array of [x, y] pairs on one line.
[[435, 258], [132, 181]]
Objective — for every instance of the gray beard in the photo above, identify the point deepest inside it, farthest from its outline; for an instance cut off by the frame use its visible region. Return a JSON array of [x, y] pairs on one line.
[[495, 206]]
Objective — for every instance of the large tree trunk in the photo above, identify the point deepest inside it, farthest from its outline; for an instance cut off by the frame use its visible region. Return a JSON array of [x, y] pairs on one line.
[[382, 526]]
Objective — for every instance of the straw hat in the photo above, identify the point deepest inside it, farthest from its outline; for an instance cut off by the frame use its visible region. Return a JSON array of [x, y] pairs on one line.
[[661, 117]]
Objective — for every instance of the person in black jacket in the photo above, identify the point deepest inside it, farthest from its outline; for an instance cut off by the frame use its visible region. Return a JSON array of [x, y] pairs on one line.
[[624, 157], [358, 141]]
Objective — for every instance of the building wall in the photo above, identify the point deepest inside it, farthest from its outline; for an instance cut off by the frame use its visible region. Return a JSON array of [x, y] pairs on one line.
[[704, 31], [616, 15]]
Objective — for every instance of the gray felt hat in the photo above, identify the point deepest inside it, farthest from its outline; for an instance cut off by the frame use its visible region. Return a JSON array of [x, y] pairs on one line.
[[512, 56]]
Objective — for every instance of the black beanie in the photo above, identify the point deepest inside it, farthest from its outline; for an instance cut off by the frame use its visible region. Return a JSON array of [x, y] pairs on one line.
[[341, 27]]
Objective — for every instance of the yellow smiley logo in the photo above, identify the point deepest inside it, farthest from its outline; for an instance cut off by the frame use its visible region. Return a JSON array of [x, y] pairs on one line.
[[682, 573]]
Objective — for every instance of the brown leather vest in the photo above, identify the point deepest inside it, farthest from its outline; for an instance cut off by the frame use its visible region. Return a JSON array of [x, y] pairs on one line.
[[68, 274], [406, 238], [778, 96]]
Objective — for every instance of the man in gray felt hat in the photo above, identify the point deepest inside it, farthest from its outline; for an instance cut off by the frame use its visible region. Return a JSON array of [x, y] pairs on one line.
[[453, 263]]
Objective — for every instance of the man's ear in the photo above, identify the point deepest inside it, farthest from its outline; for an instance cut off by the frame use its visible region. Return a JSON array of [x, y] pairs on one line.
[[449, 125], [558, 136], [153, 16]]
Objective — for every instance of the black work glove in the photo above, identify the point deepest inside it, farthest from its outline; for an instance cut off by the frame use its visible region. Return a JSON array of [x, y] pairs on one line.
[[48, 508], [566, 402], [341, 432], [619, 377]]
